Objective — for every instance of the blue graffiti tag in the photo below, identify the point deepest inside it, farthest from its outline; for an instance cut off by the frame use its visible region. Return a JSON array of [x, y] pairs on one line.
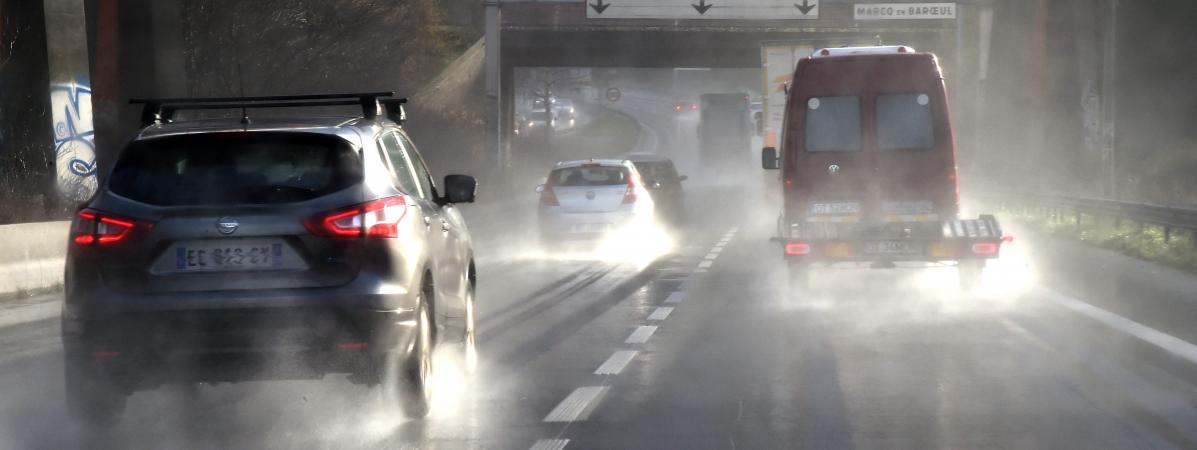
[[66, 132]]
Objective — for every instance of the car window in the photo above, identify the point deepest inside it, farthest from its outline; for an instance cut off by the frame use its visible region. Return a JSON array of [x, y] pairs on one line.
[[225, 169], [589, 176], [833, 124], [401, 167], [904, 121], [423, 178], [656, 170]]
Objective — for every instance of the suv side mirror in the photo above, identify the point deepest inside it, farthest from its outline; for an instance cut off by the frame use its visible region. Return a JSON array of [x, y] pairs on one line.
[[769, 159], [460, 189]]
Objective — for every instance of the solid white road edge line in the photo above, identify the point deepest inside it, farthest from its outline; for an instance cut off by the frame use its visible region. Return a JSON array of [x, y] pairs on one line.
[[1169, 343], [550, 444], [641, 334], [577, 405], [615, 364], [661, 313]]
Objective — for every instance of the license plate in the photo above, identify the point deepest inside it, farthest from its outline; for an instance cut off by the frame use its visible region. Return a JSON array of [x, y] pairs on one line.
[[229, 256], [892, 248], [589, 228]]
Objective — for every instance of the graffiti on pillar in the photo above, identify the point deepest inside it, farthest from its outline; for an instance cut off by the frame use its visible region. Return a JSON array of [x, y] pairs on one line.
[[74, 140]]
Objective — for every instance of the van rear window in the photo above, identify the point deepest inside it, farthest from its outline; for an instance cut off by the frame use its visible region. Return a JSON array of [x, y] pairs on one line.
[[904, 121], [833, 124], [232, 169]]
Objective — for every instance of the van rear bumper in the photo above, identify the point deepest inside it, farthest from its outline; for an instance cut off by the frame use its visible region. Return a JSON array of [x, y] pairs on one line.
[[952, 240]]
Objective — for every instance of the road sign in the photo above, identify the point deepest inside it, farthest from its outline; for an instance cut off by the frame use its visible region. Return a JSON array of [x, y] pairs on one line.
[[903, 11], [703, 9], [613, 95]]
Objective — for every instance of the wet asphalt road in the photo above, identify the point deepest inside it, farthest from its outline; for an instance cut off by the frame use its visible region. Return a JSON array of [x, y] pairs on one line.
[[702, 348]]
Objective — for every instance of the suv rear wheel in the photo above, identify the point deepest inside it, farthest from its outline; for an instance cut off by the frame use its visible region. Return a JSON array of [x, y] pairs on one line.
[[91, 395], [405, 376]]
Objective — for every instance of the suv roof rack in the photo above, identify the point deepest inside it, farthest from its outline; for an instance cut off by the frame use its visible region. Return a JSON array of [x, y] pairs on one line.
[[162, 110]]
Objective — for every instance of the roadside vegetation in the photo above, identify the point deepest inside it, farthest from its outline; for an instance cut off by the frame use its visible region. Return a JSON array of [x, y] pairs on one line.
[[1177, 248]]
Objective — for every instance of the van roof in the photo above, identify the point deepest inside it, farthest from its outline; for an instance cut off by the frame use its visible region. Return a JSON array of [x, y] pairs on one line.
[[872, 50]]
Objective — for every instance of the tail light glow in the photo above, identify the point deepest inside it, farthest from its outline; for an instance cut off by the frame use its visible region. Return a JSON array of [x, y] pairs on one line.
[[379, 218], [797, 248], [629, 196], [92, 227], [985, 248]]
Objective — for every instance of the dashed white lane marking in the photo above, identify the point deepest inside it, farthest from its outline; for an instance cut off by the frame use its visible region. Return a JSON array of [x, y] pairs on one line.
[[616, 362], [661, 314], [718, 248], [711, 255], [577, 405], [705, 264], [733, 230], [550, 444], [1150, 335], [641, 334], [676, 297], [700, 271]]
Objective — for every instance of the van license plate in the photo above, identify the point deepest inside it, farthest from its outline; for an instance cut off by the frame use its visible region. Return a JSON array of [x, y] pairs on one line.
[[892, 248], [229, 257]]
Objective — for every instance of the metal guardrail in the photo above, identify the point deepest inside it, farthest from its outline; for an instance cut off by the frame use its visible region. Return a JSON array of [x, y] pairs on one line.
[[1170, 218]]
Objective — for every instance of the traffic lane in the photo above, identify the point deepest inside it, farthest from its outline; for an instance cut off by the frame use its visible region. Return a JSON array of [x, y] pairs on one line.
[[271, 414], [881, 359], [523, 303]]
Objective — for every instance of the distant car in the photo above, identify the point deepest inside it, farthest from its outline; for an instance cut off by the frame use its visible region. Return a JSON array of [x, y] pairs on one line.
[[228, 250], [566, 113], [590, 198], [663, 183], [684, 107]]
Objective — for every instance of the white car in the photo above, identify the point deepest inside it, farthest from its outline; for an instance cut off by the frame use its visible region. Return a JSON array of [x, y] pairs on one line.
[[588, 199]]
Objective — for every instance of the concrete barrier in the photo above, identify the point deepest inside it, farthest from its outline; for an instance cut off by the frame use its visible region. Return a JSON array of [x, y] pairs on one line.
[[31, 257]]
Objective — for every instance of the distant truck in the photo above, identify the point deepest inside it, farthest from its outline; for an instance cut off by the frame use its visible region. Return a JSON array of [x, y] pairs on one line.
[[868, 167], [724, 129]]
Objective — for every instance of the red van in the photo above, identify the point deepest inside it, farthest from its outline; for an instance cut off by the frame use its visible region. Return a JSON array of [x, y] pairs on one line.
[[868, 165]]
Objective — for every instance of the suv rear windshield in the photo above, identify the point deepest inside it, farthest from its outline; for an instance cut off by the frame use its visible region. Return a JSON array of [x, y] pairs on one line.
[[235, 168], [589, 176]]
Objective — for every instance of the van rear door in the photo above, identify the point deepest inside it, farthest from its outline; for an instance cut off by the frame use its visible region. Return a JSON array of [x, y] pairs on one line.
[[912, 147]]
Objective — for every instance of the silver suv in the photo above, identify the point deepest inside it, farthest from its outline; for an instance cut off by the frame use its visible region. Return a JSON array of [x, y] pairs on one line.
[[229, 250]]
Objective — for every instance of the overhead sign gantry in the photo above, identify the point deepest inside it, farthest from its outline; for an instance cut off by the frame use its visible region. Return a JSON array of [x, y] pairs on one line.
[[703, 9]]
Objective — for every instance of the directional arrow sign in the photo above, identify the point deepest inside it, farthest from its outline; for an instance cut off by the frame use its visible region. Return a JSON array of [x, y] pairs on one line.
[[806, 7], [704, 9], [599, 6]]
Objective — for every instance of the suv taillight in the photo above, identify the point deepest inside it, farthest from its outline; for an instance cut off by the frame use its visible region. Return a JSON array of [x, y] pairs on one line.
[[548, 197], [378, 218], [92, 227]]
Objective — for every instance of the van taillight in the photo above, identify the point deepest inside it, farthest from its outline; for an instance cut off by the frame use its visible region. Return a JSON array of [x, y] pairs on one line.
[[797, 248], [378, 218], [95, 228]]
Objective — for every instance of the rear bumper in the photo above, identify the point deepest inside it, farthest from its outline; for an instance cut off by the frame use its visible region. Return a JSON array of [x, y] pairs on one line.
[[236, 335], [954, 240], [557, 224]]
